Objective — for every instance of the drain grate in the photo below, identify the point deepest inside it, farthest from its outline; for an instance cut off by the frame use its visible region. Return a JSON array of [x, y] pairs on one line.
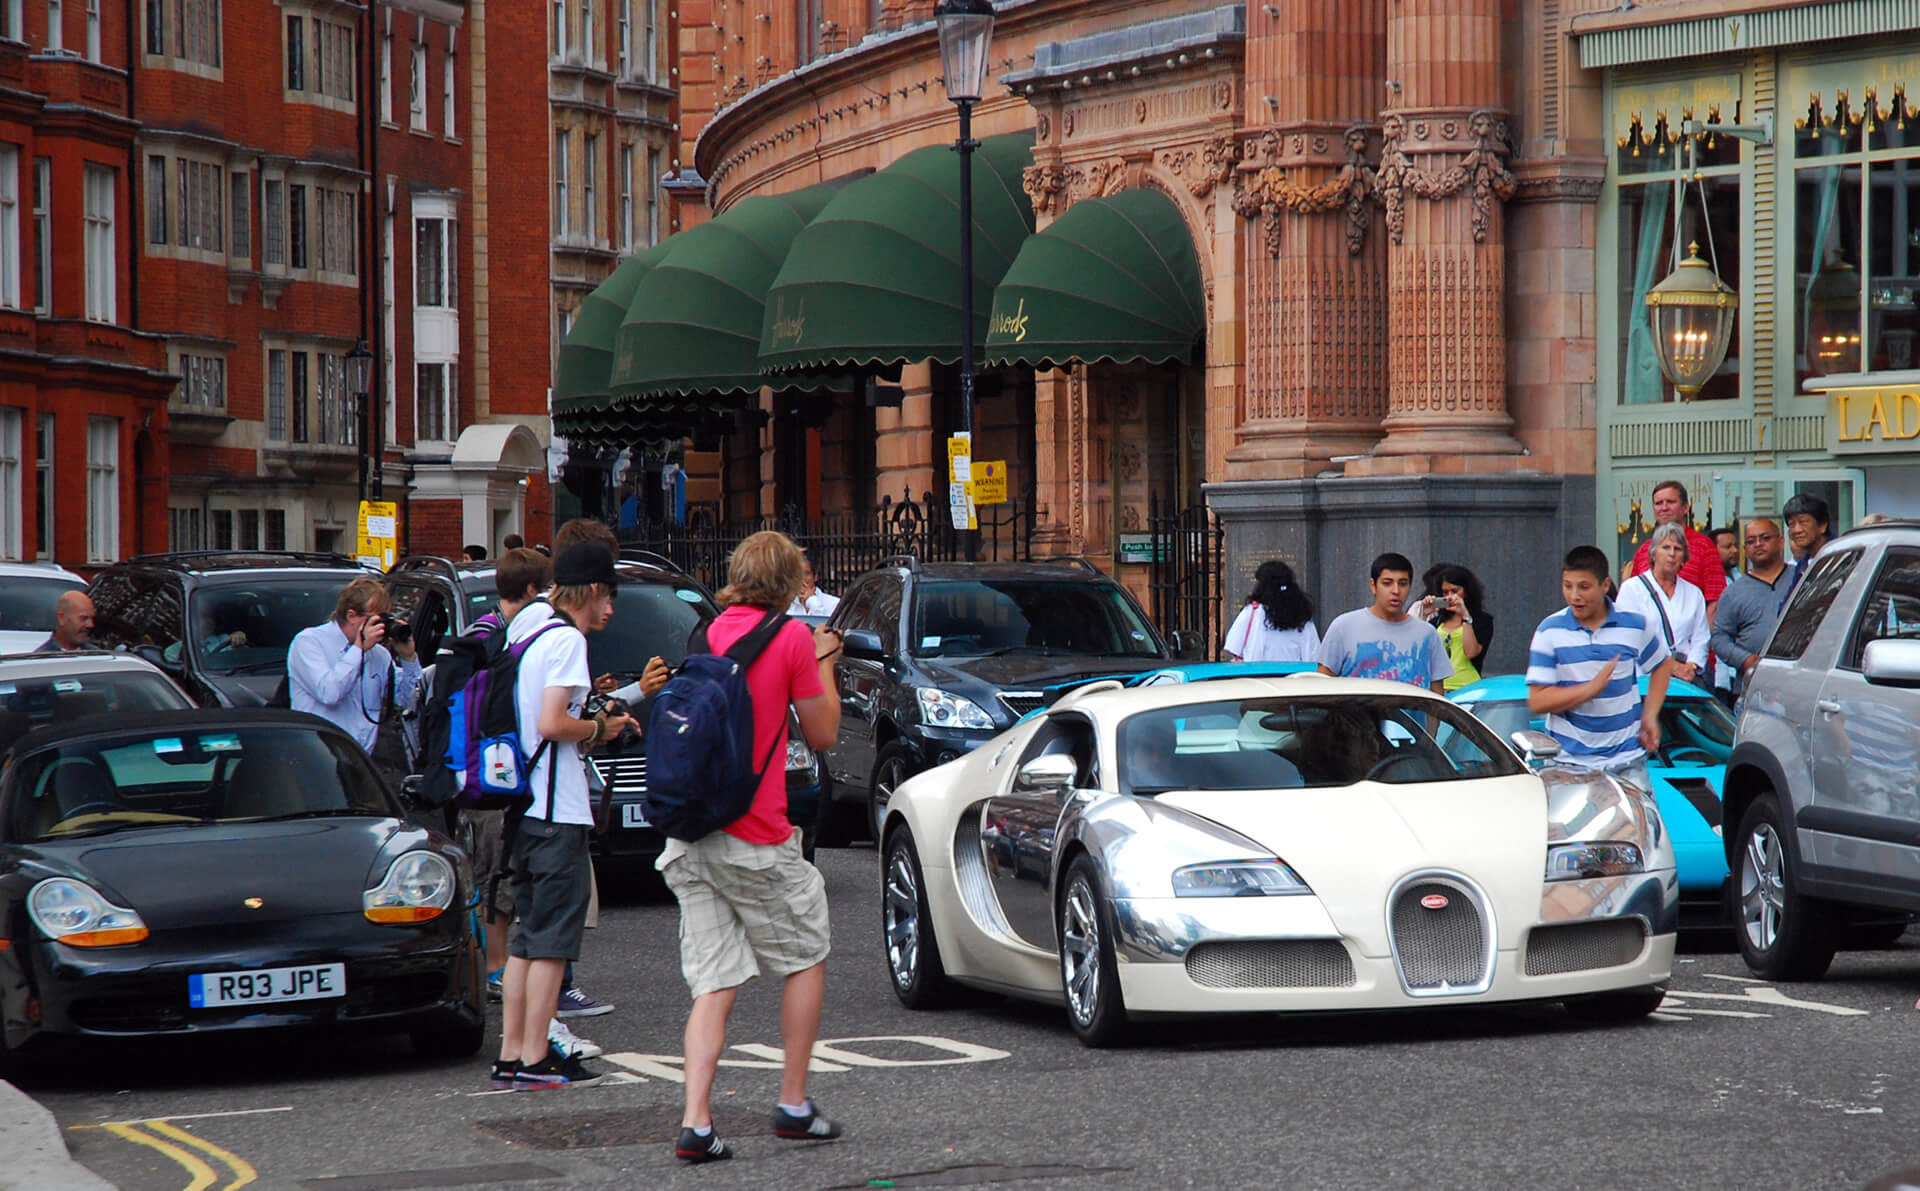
[[975, 1175], [617, 1127], [446, 1176]]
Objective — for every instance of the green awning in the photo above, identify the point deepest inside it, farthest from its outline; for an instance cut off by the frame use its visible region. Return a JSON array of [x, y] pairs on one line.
[[875, 278], [586, 355], [693, 326], [1113, 279]]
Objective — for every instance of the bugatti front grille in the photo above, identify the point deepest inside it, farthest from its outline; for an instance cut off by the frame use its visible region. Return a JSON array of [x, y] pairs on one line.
[[1579, 946], [1439, 938], [1272, 963], [1022, 702], [623, 775]]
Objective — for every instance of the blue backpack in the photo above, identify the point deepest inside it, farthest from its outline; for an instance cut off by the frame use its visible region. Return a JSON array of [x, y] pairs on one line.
[[700, 772]]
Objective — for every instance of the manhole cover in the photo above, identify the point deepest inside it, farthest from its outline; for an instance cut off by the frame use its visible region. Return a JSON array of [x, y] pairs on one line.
[[617, 1127], [976, 1175]]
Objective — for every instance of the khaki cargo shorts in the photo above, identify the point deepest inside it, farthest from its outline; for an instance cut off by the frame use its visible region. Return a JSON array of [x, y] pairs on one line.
[[745, 908]]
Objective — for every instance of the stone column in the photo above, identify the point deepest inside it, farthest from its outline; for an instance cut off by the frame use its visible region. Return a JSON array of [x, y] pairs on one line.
[[1315, 278], [1442, 182]]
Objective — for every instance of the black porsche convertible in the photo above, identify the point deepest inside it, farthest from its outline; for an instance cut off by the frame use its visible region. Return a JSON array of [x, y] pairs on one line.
[[169, 873]]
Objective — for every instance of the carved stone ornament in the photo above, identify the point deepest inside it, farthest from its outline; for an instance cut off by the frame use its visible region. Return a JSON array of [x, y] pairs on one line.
[[1482, 173], [1200, 171], [1042, 126], [1270, 192], [1097, 179], [1044, 185]]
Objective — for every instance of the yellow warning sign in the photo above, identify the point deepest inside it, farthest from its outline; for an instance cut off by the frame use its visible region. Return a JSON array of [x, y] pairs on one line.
[[379, 537], [990, 482]]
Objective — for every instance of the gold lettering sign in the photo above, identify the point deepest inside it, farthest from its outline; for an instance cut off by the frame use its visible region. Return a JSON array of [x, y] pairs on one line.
[[1874, 419], [1014, 324], [789, 328]]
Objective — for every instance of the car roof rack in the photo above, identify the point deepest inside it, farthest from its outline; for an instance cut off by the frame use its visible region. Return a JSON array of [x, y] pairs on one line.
[[428, 562], [185, 560], [652, 558], [1079, 560], [908, 561]]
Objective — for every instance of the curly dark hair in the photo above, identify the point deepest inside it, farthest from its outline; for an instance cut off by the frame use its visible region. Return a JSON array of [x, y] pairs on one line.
[[1460, 577], [1279, 596]]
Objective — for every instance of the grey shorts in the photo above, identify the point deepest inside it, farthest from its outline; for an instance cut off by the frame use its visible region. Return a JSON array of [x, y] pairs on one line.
[[480, 832], [744, 907], [553, 887]]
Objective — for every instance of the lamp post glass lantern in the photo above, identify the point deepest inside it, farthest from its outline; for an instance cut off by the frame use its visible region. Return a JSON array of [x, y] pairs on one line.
[[1692, 313], [966, 36], [359, 367]]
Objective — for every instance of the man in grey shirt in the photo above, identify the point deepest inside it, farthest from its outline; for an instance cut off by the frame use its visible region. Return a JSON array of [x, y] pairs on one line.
[[1382, 640], [1751, 603]]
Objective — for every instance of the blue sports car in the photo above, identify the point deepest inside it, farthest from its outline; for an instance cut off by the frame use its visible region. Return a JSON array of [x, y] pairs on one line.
[[1696, 737], [1183, 672]]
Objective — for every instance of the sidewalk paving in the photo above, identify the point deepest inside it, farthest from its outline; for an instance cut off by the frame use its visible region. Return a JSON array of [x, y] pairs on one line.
[[37, 1158]]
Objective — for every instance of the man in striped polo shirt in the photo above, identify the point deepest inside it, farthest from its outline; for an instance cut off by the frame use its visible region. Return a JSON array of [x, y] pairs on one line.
[[1583, 672]]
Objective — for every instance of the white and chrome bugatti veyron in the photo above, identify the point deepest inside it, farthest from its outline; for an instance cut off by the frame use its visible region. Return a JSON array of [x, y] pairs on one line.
[[1273, 844]]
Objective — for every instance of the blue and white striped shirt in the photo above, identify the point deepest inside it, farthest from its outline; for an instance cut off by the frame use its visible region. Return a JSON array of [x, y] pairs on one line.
[[1603, 731]]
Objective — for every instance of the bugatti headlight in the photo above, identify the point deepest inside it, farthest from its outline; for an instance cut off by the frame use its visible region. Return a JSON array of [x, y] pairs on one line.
[[1237, 878], [944, 710], [1586, 859], [75, 913], [417, 887]]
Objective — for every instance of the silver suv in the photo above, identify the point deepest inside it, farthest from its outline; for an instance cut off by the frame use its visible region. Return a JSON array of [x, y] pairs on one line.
[[1822, 793]]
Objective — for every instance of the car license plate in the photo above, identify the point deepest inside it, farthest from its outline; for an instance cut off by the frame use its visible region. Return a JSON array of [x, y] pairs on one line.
[[313, 982], [632, 814]]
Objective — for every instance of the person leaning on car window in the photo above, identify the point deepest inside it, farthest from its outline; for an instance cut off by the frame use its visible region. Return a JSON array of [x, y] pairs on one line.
[[72, 623], [339, 670]]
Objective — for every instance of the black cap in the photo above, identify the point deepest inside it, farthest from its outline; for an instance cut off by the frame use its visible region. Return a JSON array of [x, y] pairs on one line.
[[583, 563]]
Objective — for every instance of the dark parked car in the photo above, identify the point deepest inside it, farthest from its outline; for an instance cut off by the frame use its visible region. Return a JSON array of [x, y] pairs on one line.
[[308, 900], [654, 613], [941, 656], [219, 622]]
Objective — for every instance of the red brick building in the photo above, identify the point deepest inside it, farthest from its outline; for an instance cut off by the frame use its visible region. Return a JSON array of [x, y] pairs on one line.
[[83, 392]]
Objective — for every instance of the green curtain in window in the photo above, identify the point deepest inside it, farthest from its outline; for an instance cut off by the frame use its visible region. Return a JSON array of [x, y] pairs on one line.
[[1643, 384]]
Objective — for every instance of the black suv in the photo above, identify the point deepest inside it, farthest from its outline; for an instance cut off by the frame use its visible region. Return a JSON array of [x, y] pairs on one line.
[[941, 656], [654, 613], [217, 622]]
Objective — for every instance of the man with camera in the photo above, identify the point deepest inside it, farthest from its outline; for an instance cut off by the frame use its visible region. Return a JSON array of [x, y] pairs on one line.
[[340, 670]]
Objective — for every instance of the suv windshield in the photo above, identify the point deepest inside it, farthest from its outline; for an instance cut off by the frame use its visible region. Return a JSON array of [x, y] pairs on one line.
[[968, 617], [26, 601], [1294, 743], [249, 625], [29, 703], [149, 778], [649, 619]]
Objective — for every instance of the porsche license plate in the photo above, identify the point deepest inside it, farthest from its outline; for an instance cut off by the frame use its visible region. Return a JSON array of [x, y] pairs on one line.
[[312, 982], [632, 814]]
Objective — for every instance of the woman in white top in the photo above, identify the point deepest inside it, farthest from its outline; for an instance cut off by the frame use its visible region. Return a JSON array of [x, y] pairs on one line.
[[1277, 623], [1673, 607]]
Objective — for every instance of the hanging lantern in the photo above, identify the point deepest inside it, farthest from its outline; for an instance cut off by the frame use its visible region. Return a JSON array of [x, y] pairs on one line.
[[1692, 313], [1833, 319]]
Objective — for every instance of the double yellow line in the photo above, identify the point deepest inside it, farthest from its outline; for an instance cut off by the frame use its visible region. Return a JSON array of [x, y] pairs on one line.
[[179, 1145]]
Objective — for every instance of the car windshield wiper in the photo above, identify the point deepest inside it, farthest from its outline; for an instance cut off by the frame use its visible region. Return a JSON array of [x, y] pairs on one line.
[[1045, 651], [334, 813], [253, 667]]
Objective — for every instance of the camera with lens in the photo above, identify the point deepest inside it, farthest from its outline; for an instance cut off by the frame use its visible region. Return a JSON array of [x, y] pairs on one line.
[[397, 629]]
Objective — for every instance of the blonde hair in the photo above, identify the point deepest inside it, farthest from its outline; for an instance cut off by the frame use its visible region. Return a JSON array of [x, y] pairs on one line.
[[585, 529], [364, 595], [765, 571]]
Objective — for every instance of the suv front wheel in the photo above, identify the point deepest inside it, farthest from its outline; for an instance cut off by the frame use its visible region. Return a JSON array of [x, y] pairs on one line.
[[1783, 933]]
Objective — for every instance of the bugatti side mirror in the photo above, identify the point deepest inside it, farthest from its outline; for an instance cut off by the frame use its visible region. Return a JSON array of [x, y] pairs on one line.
[[1535, 746], [1049, 774]]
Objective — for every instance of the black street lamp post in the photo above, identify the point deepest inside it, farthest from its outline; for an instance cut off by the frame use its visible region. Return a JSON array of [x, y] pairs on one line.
[[966, 32], [359, 365]]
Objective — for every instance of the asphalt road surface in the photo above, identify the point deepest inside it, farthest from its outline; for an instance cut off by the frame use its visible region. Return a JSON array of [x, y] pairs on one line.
[[1735, 1084]]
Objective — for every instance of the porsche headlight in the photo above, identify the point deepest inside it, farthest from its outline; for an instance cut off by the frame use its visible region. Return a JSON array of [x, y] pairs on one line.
[[944, 710], [75, 913], [1237, 878], [418, 886], [1591, 858]]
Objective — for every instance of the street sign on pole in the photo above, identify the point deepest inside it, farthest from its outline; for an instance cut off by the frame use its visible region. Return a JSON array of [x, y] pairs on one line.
[[990, 482], [960, 481], [379, 533]]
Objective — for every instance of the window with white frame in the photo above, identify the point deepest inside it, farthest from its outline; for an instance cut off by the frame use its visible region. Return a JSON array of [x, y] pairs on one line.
[[296, 52], [240, 241], [56, 18], [587, 46], [339, 232], [386, 76], [446, 89], [653, 197], [103, 489], [650, 53], [203, 381], [559, 30], [183, 33], [320, 59], [626, 36], [199, 189], [93, 30], [157, 229], [277, 394], [626, 198], [10, 227], [102, 300], [12, 26], [43, 235], [273, 224], [335, 403], [589, 189], [43, 487], [417, 89], [185, 529], [433, 262], [562, 141], [12, 493], [433, 390]]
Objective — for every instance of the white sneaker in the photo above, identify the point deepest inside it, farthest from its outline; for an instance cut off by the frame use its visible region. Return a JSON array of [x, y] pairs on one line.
[[569, 1044]]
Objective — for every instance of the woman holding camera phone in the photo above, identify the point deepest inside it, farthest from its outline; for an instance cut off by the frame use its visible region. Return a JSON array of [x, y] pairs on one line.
[[1455, 604]]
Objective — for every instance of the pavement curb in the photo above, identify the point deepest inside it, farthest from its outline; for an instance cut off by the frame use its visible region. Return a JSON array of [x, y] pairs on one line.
[[37, 1158]]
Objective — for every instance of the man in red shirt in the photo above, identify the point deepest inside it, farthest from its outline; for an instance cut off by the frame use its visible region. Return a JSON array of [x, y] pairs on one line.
[[748, 900], [1702, 568]]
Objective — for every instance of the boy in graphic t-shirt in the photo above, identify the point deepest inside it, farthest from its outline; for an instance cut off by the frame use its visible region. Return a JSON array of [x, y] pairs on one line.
[[1383, 640]]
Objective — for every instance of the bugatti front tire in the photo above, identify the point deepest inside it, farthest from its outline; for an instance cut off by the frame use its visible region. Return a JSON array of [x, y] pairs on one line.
[[914, 969], [1089, 981]]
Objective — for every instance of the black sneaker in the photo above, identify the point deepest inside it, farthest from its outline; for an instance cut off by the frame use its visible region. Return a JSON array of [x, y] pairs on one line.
[[811, 1127], [555, 1072], [503, 1073], [697, 1149]]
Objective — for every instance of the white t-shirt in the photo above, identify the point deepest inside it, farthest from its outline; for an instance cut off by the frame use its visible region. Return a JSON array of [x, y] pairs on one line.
[[558, 658], [1686, 612], [817, 604], [1251, 639]]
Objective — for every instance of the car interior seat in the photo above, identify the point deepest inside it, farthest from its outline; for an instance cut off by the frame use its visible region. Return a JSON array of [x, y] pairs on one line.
[[263, 785], [71, 786]]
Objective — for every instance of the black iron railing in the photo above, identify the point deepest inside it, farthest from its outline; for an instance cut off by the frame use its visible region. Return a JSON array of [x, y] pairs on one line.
[[1184, 580]]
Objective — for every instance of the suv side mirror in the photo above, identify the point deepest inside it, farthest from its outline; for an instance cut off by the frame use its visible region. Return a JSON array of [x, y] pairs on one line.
[[1185, 644], [1535, 746], [1048, 774], [864, 643], [1892, 663], [156, 656]]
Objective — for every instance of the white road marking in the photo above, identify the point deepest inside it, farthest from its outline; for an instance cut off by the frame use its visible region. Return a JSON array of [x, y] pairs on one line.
[[839, 1050], [1767, 994], [1736, 979], [830, 1056], [1755, 993]]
